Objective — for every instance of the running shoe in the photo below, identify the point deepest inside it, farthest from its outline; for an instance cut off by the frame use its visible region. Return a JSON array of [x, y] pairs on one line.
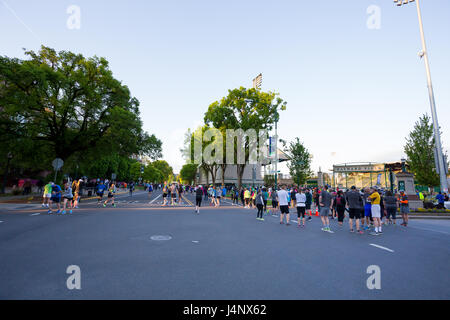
[[281, 222], [63, 212], [374, 233], [50, 212], [59, 211], [70, 211], [360, 232], [104, 205], [43, 205], [262, 219], [114, 205], [351, 230], [288, 224]]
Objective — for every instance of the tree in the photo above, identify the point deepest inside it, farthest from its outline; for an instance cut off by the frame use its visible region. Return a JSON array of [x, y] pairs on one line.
[[299, 164], [188, 172], [234, 112], [164, 168], [419, 149], [68, 106], [152, 174]]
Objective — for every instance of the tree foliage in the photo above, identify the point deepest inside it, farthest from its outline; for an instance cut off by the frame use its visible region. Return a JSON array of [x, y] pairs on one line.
[[299, 164], [62, 104], [419, 149], [188, 173]]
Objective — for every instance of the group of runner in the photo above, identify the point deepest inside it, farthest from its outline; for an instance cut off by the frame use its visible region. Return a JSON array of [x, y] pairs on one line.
[[69, 196]]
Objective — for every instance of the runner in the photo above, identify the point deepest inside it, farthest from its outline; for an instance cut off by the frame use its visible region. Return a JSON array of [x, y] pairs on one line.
[[150, 190], [131, 188], [325, 203], [283, 196], [56, 198], [404, 208], [173, 194], [367, 209], [265, 198], [198, 198], [165, 194], [100, 191], [247, 197], [68, 197], [180, 193], [217, 193], [375, 200], [111, 192], [355, 207], [47, 194], [300, 200], [76, 186]]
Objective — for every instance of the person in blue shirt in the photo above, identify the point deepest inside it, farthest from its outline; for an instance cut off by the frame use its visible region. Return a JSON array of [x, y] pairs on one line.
[[224, 192], [100, 191], [55, 198], [441, 200]]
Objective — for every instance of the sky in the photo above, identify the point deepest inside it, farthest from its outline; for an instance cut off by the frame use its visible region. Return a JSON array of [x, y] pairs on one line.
[[349, 70]]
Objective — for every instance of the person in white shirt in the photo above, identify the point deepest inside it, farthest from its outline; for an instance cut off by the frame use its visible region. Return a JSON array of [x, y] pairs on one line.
[[284, 205], [300, 198]]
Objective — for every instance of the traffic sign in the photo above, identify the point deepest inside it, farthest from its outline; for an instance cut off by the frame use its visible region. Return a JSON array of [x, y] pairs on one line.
[[57, 164]]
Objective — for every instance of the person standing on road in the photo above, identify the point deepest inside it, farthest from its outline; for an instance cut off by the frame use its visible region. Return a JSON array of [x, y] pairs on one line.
[[325, 203], [173, 194], [198, 198], [308, 203], [391, 205], [150, 190], [265, 198], [367, 209], [375, 200], [283, 196], [355, 207], [165, 192], [180, 193], [274, 196], [300, 200], [339, 205], [259, 200], [404, 208], [47, 195], [131, 188]]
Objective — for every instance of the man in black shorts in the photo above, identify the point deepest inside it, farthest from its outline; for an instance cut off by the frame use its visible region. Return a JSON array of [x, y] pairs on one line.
[[282, 196], [355, 208], [198, 198]]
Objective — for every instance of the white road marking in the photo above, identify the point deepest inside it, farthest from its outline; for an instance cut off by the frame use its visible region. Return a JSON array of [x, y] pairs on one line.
[[155, 199], [195, 241], [34, 214], [1, 221], [380, 247]]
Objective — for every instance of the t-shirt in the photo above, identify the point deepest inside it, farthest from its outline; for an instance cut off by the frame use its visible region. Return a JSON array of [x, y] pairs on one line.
[[391, 202], [301, 199], [199, 193], [68, 193], [354, 200], [283, 197], [101, 188], [339, 201], [48, 188], [375, 197], [57, 191], [246, 194], [274, 196], [265, 195], [326, 198]]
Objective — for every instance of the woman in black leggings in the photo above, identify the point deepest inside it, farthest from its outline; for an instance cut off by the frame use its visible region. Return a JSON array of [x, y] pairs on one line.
[[260, 205]]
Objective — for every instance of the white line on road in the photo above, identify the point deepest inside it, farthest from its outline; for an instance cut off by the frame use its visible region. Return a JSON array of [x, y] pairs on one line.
[[380, 247], [430, 230], [155, 199], [1, 221], [34, 214]]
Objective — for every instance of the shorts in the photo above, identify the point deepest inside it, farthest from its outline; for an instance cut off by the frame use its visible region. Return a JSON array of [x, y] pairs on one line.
[[110, 195], [47, 195], [404, 209], [164, 195], [368, 210], [354, 213], [173, 195], [308, 206], [55, 199], [69, 199], [324, 211], [284, 209], [198, 202], [391, 213], [218, 197], [274, 204], [376, 211], [301, 211], [100, 194]]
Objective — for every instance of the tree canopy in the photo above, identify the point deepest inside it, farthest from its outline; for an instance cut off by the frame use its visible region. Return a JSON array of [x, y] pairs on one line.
[[299, 164]]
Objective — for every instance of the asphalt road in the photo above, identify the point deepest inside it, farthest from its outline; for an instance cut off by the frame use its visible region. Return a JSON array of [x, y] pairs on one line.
[[222, 253]]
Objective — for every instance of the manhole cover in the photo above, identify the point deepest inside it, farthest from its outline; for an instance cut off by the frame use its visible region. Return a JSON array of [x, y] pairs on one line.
[[161, 238]]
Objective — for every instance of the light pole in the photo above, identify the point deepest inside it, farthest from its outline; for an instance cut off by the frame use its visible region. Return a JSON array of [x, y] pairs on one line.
[[437, 136], [276, 151]]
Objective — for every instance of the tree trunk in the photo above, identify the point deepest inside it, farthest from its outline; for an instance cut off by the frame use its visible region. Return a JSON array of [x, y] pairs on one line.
[[240, 173], [223, 167]]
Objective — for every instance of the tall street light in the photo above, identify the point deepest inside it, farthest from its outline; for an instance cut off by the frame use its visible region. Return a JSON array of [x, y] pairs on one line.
[[437, 136]]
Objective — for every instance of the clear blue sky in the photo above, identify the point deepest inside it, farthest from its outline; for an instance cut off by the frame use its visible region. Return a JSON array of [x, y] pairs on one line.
[[353, 93]]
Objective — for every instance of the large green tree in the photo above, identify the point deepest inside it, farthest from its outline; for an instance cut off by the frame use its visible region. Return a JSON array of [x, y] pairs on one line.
[[188, 172], [164, 168], [245, 109], [419, 149], [299, 164], [62, 104]]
